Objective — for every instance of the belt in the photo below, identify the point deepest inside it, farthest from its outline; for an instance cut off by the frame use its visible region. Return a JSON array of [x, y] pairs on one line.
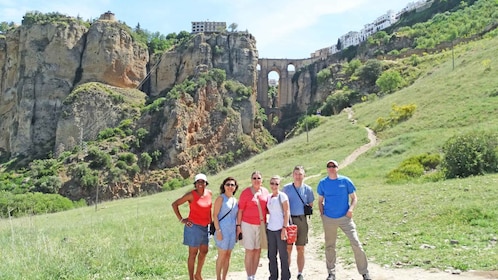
[[296, 216]]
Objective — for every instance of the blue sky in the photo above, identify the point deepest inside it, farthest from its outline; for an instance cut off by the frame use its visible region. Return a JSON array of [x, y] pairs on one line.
[[282, 28]]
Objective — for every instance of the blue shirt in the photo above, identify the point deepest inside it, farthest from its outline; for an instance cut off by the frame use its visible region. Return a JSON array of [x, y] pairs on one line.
[[336, 195], [295, 203]]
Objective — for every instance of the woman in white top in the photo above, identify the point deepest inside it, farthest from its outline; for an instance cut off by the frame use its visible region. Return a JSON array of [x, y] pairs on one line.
[[278, 208]]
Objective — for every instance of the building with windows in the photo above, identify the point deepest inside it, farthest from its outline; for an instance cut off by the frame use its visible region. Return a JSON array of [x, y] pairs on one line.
[[353, 38], [208, 26]]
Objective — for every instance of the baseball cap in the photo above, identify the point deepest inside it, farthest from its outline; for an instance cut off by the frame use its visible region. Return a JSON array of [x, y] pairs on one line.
[[201, 176], [332, 161]]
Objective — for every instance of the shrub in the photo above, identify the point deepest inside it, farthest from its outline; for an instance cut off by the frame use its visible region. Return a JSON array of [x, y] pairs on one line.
[[397, 115], [129, 158], [175, 183], [323, 75], [389, 81], [415, 167], [473, 153], [47, 184], [17, 205], [98, 158]]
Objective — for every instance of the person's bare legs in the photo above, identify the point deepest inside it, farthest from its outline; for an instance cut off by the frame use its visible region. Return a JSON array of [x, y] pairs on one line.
[[251, 261], [222, 264], [203, 250], [192, 254], [300, 258], [289, 253]]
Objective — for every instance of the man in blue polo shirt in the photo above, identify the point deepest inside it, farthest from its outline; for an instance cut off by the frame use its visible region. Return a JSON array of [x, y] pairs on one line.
[[337, 200]]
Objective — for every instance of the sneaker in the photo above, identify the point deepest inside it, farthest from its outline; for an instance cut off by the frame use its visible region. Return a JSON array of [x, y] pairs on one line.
[[366, 277], [300, 277], [331, 277]]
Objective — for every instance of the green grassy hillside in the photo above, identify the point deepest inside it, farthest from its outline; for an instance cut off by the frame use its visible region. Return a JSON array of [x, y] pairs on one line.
[[451, 223]]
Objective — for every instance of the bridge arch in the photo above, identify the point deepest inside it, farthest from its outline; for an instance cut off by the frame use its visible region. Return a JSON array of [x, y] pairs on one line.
[[286, 69]]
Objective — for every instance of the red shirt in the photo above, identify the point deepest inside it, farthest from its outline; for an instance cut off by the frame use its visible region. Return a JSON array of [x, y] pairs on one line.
[[200, 208], [248, 204]]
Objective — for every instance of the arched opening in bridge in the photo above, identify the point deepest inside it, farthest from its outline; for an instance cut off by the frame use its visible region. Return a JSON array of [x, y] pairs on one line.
[[273, 90], [291, 68]]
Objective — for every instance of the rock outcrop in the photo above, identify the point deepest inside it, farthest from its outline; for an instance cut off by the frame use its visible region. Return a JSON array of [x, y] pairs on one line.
[[64, 82], [40, 64]]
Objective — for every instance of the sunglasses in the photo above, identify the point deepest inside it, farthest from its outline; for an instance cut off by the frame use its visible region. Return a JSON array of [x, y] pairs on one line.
[[274, 184], [200, 182], [331, 166], [230, 184], [256, 178]]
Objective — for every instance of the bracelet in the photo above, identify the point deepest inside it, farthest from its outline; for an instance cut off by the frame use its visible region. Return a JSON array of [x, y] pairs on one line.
[[238, 225]]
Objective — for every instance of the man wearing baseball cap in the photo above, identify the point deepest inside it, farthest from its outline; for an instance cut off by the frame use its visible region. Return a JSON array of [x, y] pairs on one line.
[[336, 201]]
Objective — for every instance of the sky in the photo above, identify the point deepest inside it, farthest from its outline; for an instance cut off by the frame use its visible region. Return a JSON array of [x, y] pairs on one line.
[[283, 28]]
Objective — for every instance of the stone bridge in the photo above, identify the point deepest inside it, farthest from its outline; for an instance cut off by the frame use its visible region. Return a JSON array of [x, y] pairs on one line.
[[285, 69]]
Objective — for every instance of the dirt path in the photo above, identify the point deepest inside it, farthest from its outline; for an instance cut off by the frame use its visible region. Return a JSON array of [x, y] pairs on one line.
[[315, 268]]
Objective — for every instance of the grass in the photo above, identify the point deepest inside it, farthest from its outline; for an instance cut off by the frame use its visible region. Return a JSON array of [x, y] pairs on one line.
[[430, 225]]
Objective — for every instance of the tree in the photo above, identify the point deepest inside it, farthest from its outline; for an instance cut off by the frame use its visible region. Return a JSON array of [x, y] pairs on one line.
[[370, 71], [233, 27], [144, 161], [389, 81], [339, 44]]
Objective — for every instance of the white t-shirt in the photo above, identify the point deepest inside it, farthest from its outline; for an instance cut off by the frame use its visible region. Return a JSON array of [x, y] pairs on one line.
[[276, 220]]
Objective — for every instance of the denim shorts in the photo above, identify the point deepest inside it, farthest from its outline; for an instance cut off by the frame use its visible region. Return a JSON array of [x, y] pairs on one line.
[[195, 236]]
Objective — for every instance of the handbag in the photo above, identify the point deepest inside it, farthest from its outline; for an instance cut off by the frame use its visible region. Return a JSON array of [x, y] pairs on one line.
[[291, 229], [308, 210], [262, 226], [212, 229], [291, 234]]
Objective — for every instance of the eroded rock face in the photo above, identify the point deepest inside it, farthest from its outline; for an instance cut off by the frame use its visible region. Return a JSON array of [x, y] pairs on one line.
[[112, 57], [39, 66], [57, 79], [235, 53], [38, 70]]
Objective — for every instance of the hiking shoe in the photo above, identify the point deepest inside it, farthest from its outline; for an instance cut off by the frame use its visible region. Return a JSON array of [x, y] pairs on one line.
[[331, 277], [300, 277], [366, 277]]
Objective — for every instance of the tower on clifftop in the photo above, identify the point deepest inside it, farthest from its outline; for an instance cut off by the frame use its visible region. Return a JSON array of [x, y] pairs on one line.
[[107, 16]]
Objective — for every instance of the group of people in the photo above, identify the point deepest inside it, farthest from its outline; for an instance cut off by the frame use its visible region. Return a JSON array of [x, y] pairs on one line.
[[261, 213]]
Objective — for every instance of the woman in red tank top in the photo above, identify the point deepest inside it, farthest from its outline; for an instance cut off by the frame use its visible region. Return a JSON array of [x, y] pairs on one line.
[[195, 231]]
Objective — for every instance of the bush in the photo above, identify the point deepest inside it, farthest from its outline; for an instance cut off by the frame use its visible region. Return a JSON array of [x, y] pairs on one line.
[[174, 183], [473, 153], [47, 184], [17, 205], [389, 81], [415, 167], [397, 115]]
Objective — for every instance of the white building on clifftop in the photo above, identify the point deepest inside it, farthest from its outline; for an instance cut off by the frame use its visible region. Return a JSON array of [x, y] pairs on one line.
[[208, 26]]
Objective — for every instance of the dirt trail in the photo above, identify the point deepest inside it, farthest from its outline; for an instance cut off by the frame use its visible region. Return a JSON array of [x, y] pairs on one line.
[[315, 256]]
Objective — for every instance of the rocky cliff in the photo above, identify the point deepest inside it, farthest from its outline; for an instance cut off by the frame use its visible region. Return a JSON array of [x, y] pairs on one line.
[[62, 83], [41, 64]]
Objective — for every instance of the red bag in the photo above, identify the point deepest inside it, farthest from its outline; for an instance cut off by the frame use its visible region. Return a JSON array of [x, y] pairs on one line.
[[291, 234]]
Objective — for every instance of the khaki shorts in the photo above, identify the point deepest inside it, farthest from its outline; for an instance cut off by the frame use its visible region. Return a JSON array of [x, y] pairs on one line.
[[302, 229], [250, 236]]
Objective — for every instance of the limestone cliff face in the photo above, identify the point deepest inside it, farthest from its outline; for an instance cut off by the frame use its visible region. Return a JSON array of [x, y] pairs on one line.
[[112, 57], [37, 72], [235, 53], [39, 66]]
